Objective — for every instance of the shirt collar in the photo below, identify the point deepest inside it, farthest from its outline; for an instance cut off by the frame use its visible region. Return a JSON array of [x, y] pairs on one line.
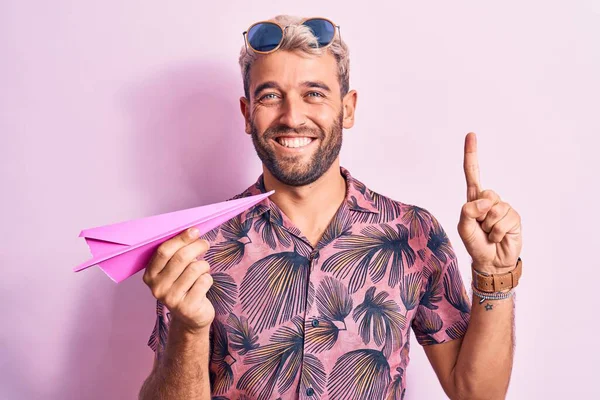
[[358, 197]]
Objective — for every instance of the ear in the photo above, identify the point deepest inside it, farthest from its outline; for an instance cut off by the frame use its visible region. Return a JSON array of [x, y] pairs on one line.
[[245, 109], [349, 106]]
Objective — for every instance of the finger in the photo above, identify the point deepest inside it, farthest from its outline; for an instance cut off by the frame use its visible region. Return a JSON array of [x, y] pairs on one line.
[[504, 226], [468, 224], [474, 209], [181, 259], [471, 167], [496, 213], [491, 195], [199, 289], [165, 251], [185, 281]]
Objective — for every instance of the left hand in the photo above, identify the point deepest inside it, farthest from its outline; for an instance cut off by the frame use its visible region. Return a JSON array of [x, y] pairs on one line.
[[489, 227]]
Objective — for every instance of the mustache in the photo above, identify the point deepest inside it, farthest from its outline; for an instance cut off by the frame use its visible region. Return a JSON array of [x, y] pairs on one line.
[[287, 130]]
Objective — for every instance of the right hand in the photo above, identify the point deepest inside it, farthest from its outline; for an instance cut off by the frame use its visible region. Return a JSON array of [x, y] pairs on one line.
[[180, 281]]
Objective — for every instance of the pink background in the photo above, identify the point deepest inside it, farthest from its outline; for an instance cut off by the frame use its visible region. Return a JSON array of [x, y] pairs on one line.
[[113, 110]]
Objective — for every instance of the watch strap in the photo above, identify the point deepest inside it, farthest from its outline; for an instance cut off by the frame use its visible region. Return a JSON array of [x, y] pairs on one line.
[[498, 282]]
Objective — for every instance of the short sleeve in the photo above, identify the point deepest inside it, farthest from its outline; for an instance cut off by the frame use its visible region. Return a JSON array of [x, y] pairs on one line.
[[158, 339], [444, 309]]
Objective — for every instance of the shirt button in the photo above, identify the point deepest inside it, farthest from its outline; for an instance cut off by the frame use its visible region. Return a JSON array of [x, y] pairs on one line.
[[314, 323], [310, 391]]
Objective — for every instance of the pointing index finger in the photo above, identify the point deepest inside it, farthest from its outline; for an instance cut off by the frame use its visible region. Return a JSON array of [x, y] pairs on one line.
[[471, 166]]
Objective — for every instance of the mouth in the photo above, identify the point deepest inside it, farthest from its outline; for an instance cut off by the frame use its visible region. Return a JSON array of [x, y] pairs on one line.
[[294, 142]]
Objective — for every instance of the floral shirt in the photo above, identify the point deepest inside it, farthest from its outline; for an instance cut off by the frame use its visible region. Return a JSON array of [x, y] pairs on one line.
[[331, 321]]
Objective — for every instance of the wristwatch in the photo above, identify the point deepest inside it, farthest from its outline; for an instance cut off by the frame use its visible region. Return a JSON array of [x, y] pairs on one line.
[[497, 282]]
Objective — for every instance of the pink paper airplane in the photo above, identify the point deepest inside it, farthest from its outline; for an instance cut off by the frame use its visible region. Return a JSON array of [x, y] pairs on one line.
[[124, 248]]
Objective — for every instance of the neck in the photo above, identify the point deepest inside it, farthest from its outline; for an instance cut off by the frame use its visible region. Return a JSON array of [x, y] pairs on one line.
[[310, 207]]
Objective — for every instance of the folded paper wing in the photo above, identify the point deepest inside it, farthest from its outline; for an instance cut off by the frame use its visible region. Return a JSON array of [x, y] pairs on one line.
[[124, 248]]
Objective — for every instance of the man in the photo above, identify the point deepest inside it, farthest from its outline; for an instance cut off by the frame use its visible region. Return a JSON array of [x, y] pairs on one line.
[[312, 293]]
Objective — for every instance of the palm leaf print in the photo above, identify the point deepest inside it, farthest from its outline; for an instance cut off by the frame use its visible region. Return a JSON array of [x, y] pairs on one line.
[[257, 210], [313, 376], [457, 330], [417, 219], [410, 290], [211, 235], [333, 301], [289, 371], [363, 190], [274, 289], [260, 380], [439, 244], [235, 229], [405, 351], [310, 297], [276, 363], [433, 286], [322, 337], [361, 187], [270, 226], [339, 226], [389, 209], [240, 397], [221, 373], [362, 374], [302, 246], [158, 338], [355, 205], [383, 318], [371, 252], [427, 323], [395, 390], [222, 256], [400, 252], [334, 304], [223, 293], [241, 335], [354, 260], [454, 290], [230, 252]]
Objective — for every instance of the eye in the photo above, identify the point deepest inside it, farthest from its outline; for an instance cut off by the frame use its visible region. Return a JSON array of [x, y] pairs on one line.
[[267, 97], [315, 94]]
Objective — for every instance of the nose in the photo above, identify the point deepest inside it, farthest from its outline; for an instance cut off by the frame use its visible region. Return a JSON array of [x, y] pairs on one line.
[[292, 112]]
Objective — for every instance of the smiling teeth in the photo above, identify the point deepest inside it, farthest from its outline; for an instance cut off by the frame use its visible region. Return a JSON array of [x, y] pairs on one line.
[[295, 142]]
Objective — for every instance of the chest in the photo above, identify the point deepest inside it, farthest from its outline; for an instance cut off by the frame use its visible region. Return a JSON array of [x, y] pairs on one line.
[[283, 304]]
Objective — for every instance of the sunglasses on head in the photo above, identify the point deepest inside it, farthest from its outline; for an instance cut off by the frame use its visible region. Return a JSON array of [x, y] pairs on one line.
[[266, 36]]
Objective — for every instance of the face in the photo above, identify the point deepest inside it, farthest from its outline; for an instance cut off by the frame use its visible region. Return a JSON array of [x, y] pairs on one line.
[[295, 115]]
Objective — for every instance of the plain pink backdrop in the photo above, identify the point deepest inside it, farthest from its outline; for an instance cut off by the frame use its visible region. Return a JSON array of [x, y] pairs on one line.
[[115, 110]]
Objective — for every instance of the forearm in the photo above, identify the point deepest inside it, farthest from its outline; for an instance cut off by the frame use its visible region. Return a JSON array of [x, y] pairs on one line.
[[485, 360], [182, 372]]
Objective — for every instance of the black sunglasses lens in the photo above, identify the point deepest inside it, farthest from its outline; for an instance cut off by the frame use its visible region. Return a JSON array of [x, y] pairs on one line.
[[322, 29], [265, 36]]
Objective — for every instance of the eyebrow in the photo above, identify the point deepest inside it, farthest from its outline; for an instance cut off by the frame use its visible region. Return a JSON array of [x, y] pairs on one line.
[[274, 85], [266, 85], [316, 84]]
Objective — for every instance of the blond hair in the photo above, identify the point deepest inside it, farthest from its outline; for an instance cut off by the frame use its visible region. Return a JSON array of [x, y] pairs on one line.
[[300, 38]]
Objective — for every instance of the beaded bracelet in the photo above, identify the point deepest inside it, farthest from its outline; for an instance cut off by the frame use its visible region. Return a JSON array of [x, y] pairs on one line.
[[491, 296]]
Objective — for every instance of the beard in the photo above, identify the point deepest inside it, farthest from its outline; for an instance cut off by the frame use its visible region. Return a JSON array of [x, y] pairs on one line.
[[289, 170]]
